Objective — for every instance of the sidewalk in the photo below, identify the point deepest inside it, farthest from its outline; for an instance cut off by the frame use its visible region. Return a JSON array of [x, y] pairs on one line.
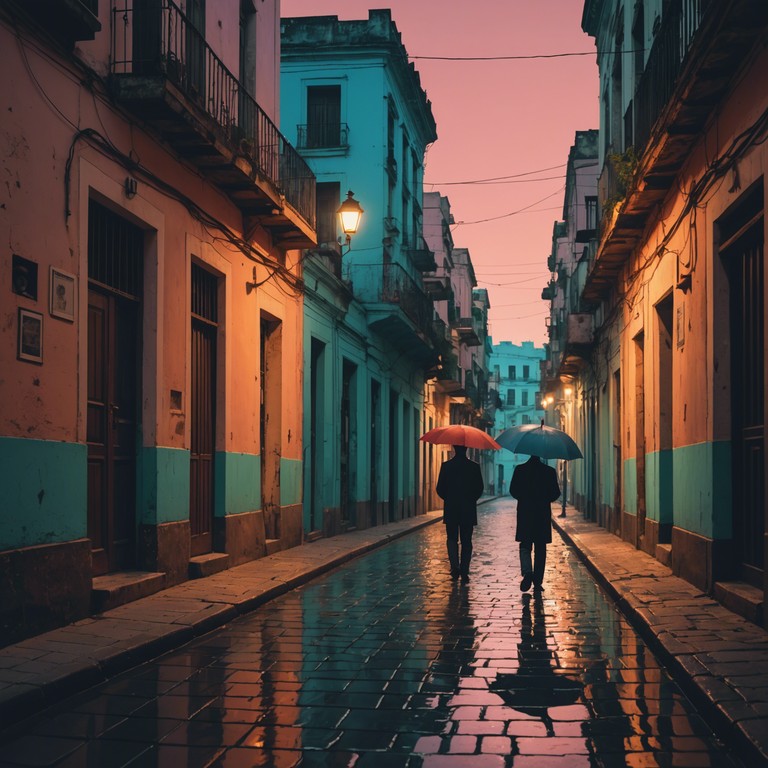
[[718, 658], [46, 668]]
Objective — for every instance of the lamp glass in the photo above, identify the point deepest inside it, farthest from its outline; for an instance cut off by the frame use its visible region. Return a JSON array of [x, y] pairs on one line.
[[350, 214]]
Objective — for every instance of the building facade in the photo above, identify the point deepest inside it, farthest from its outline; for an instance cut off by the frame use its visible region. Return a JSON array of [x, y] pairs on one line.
[[671, 386], [516, 376], [357, 112], [150, 418]]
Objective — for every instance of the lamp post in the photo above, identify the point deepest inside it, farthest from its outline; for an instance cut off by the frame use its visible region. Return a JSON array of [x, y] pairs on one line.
[[350, 214]]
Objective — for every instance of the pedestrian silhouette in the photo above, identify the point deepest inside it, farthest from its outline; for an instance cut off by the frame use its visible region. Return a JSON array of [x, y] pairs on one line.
[[536, 687], [534, 485], [459, 485]]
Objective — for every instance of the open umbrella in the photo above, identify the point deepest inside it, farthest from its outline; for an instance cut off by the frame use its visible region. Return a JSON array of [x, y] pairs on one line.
[[541, 441], [460, 434]]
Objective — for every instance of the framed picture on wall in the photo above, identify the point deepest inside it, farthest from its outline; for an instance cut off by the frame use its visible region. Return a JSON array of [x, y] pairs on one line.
[[62, 297], [30, 341]]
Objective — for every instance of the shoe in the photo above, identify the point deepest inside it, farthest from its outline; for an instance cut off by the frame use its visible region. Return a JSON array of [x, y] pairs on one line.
[[465, 577], [525, 584], [538, 588]]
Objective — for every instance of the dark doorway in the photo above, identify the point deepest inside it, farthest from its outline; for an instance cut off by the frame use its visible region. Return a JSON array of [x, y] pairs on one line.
[[618, 459], [316, 432], [271, 404], [640, 435], [741, 246], [348, 443], [375, 450], [203, 408], [115, 272], [393, 455], [664, 314]]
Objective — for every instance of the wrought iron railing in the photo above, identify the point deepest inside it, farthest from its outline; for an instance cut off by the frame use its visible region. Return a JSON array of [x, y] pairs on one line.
[[398, 287], [157, 39], [322, 136], [681, 20]]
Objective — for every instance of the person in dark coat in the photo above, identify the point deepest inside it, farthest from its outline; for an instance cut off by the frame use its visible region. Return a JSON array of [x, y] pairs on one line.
[[460, 485], [534, 485]]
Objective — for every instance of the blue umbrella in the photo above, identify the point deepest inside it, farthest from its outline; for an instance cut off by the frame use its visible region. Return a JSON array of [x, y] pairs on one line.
[[541, 441]]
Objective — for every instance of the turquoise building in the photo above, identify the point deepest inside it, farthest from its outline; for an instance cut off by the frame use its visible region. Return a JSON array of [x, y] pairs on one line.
[[516, 377], [356, 111]]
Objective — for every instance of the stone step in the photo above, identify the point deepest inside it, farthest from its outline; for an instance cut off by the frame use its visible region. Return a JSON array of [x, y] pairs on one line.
[[123, 587], [741, 598], [201, 566], [664, 554]]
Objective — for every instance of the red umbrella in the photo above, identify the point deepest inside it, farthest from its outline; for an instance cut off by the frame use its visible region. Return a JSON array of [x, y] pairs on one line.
[[460, 434]]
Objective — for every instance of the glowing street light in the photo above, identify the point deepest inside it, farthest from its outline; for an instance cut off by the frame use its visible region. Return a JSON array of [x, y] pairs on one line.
[[350, 214]]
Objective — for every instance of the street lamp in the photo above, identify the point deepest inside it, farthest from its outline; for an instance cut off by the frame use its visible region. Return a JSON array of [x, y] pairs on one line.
[[350, 214]]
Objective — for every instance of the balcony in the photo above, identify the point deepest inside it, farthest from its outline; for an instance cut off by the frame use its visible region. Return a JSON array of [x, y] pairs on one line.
[[465, 328], [438, 286], [422, 257], [397, 309], [69, 20], [322, 136], [166, 73], [696, 53], [578, 342]]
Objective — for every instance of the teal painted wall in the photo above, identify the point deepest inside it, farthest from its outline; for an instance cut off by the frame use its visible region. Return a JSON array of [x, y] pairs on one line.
[[164, 490], [238, 483], [630, 486], [659, 486], [44, 492], [290, 481], [702, 489]]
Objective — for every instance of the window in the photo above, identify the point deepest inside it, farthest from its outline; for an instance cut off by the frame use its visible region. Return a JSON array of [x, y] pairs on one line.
[[525, 397], [323, 116], [512, 372], [510, 397], [526, 372], [590, 204], [328, 194]]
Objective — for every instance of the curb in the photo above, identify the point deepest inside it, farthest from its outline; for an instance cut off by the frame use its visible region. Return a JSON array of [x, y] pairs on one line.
[[692, 684]]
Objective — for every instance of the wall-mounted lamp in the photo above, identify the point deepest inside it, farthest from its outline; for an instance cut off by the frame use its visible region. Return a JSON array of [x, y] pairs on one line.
[[131, 187], [350, 214], [568, 391]]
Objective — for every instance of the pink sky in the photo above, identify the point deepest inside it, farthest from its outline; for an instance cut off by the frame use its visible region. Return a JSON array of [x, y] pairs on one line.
[[494, 119]]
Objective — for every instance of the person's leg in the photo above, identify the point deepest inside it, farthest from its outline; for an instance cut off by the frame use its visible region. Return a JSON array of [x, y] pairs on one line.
[[466, 549], [539, 562], [452, 543], [526, 568]]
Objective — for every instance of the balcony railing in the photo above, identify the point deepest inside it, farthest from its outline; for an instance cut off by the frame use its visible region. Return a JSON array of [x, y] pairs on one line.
[[157, 40], [398, 287], [322, 136], [681, 20]]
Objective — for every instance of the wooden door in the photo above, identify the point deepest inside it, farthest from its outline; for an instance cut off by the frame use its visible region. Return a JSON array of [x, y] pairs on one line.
[[203, 409], [111, 429]]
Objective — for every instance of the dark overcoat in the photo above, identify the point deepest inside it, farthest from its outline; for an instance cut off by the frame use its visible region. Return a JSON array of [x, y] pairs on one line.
[[534, 485], [460, 485]]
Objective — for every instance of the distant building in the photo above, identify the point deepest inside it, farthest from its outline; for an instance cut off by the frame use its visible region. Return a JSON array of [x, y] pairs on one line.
[[515, 375]]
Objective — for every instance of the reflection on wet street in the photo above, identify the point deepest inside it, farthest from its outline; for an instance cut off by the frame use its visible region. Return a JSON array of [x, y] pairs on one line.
[[389, 662]]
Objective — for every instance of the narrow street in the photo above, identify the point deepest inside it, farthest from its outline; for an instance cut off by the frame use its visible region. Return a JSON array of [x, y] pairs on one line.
[[388, 662]]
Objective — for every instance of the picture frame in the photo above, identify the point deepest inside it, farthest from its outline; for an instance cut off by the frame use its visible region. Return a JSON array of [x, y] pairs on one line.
[[63, 295], [30, 338]]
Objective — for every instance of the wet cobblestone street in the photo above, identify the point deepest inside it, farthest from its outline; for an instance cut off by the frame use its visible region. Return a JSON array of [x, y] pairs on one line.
[[388, 662]]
